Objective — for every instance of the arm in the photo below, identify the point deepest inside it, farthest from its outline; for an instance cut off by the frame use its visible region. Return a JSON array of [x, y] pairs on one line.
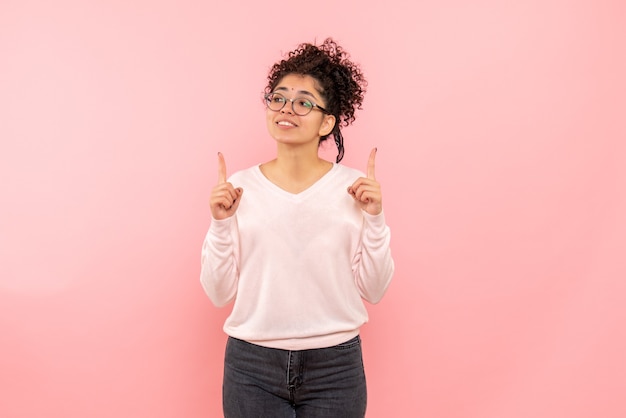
[[220, 251], [372, 265], [220, 259]]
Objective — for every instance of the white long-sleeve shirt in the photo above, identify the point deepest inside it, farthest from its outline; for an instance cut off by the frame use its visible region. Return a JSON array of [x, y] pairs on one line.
[[297, 265]]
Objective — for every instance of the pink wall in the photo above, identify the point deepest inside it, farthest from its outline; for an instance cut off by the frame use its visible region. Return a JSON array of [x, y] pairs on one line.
[[501, 135]]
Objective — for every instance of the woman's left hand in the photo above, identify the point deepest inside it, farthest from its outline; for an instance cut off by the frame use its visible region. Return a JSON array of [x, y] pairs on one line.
[[366, 190]]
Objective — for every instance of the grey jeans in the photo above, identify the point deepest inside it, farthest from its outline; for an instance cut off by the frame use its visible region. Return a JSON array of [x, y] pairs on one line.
[[268, 382]]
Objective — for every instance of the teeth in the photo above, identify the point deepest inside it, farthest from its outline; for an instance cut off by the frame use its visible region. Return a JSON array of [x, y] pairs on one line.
[[285, 123]]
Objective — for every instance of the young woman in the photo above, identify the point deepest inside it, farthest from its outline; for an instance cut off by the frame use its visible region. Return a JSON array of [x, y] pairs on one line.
[[298, 242]]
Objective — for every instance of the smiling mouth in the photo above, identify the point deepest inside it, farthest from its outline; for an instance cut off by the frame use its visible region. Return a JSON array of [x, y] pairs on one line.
[[285, 123]]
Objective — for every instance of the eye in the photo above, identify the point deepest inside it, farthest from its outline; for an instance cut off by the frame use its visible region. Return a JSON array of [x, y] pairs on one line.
[[305, 103], [276, 98]]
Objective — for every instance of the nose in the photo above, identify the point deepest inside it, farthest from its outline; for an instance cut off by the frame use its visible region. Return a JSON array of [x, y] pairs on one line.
[[288, 107]]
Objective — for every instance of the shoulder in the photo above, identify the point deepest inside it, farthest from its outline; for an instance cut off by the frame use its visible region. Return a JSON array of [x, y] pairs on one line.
[[348, 173], [245, 175]]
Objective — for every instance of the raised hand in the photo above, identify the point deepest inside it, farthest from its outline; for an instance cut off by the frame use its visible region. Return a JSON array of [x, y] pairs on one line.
[[224, 197], [366, 190]]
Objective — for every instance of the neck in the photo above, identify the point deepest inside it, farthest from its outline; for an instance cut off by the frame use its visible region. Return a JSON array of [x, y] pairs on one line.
[[298, 162], [294, 170]]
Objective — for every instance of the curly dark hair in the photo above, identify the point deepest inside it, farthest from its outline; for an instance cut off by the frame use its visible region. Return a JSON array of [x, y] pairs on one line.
[[341, 82]]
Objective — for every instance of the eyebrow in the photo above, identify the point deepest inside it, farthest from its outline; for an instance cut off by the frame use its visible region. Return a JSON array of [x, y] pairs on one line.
[[305, 92]]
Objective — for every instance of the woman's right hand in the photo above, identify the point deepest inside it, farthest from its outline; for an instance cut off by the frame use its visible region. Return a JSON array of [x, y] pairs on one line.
[[224, 197]]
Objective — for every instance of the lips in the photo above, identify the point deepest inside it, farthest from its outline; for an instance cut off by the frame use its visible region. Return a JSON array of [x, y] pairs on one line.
[[286, 123]]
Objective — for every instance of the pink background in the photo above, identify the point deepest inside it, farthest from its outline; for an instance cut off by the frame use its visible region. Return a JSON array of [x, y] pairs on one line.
[[501, 134]]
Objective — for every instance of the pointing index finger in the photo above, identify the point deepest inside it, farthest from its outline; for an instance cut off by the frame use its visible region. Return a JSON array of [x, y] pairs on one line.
[[221, 168], [371, 164]]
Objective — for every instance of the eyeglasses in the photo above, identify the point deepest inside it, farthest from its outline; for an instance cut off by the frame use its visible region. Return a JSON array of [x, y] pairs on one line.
[[300, 106]]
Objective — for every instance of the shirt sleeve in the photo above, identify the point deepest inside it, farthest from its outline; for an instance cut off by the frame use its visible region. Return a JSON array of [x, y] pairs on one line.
[[372, 265], [219, 272]]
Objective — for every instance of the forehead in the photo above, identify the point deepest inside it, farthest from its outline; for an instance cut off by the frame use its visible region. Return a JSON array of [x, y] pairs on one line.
[[298, 83]]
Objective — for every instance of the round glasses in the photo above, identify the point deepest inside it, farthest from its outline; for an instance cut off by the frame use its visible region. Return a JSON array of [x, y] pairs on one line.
[[300, 106]]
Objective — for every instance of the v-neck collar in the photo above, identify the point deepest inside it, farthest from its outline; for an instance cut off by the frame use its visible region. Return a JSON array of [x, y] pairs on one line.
[[295, 196]]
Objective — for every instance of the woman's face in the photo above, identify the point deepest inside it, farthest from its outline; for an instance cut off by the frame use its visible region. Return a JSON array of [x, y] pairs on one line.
[[285, 125]]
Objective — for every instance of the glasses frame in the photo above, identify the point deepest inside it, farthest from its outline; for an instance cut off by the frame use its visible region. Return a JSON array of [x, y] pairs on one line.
[[266, 97]]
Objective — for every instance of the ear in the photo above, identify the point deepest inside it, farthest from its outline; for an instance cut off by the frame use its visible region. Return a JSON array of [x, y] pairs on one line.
[[328, 123]]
